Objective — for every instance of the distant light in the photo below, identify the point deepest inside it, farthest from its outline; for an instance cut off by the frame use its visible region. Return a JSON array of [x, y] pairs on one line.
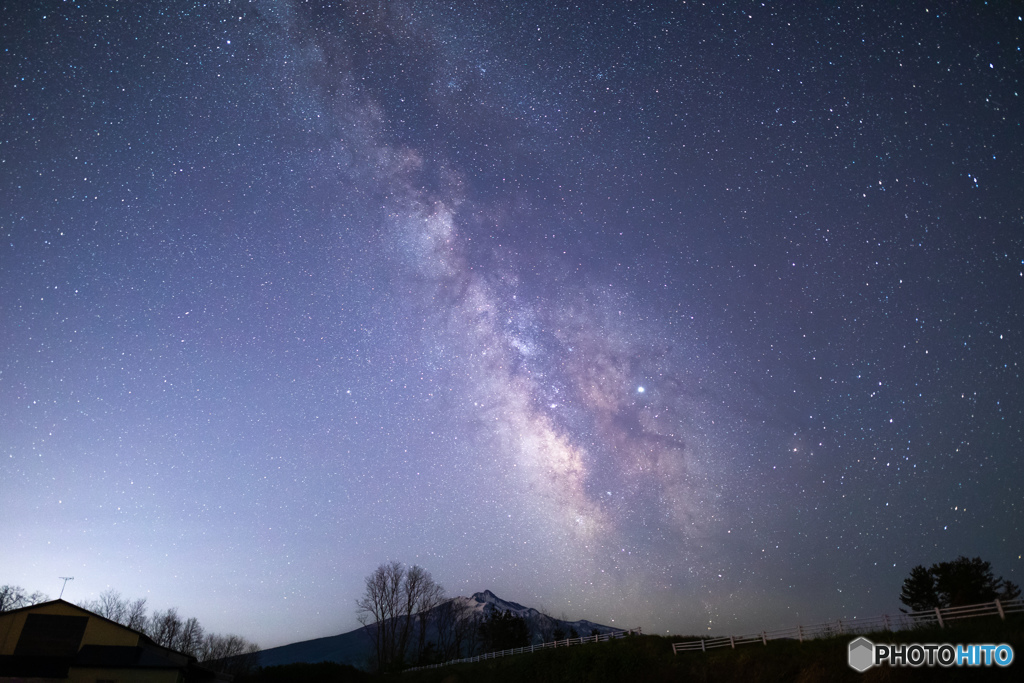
[[639, 390]]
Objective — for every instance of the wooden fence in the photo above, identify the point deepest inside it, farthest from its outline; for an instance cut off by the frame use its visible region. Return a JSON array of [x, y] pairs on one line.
[[597, 638], [902, 621]]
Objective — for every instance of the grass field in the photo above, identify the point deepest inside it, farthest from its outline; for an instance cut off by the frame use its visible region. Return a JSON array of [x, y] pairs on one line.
[[650, 658]]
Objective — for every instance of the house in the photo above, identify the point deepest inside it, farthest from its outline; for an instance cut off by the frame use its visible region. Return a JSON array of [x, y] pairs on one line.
[[58, 641]]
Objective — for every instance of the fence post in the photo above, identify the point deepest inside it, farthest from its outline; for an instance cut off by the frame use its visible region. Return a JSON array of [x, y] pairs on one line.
[[840, 622], [938, 614], [999, 606], [764, 638], [702, 648], [800, 633], [885, 620], [732, 641]]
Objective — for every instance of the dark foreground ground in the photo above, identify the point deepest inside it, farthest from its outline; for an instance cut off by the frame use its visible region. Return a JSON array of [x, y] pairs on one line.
[[650, 658]]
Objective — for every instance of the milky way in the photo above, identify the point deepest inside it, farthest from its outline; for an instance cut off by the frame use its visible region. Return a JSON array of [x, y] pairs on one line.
[[686, 316]]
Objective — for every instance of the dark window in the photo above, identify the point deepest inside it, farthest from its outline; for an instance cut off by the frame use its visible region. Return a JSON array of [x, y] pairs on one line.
[[51, 635]]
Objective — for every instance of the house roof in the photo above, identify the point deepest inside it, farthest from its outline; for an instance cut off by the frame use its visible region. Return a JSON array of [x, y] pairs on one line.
[[72, 605], [147, 654], [142, 636]]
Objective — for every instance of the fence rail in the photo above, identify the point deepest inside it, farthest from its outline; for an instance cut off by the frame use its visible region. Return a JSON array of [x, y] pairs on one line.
[[583, 640], [885, 622]]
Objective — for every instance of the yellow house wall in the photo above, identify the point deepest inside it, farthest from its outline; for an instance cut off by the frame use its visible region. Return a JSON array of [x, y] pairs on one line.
[[10, 630], [83, 675], [97, 632]]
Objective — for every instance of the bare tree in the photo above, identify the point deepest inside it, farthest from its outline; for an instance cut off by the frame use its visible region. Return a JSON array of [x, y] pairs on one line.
[[468, 632], [136, 615], [190, 638], [545, 625], [379, 607], [423, 594], [229, 654], [164, 627], [454, 622], [394, 596], [444, 620], [15, 597], [110, 605]]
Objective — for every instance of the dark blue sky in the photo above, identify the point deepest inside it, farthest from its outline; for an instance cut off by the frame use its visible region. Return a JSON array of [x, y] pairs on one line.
[[678, 315]]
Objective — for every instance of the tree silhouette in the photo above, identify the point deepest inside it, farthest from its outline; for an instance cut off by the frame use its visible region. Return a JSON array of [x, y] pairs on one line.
[[503, 630], [919, 590], [395, 599], [15, 597], [455, 627], [963, 581]]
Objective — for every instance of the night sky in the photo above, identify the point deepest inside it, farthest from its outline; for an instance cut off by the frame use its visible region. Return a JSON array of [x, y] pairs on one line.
[[681, 315]]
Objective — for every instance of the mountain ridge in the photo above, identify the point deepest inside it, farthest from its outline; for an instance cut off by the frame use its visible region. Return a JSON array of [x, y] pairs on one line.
[[355, 647]]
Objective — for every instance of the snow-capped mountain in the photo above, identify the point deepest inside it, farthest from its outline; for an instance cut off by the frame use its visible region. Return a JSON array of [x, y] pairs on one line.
[[355, 647], [543, 627]]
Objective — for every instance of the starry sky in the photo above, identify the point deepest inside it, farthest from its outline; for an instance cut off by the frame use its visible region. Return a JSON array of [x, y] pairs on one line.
[[683, 315]]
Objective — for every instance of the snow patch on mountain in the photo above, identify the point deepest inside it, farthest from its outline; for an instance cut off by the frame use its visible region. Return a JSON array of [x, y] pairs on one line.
[[355, 647]]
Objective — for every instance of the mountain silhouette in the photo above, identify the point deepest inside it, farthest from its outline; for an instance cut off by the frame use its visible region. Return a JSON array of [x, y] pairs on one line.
[[356, 647]]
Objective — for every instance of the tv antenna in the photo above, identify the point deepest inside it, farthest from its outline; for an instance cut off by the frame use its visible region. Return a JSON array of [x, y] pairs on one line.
[[66, 579]]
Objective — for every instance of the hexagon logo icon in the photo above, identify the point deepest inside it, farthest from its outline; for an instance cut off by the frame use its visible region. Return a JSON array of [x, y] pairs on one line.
[[862, 654]]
